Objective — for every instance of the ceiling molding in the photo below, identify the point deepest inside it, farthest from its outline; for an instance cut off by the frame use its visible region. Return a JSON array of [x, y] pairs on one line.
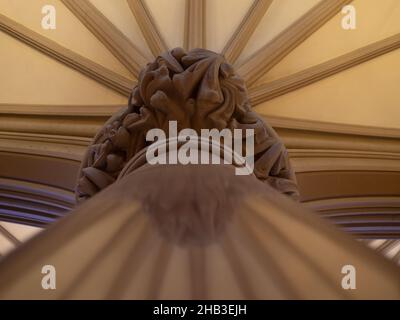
[[305, 158], [116, 42], [31, 125], [336, 160], [34, 204], [347, 154], [81, 126], [59, 110], [313, 140], [244, 31], [100, 114], [363, 203], [334, 206], [79, 122], [370, 226], [273, 89], [46, 170], [148, 27], [330, 127], [73, 60], [332, 184], [318, 139], [366, 217], [270, 54], [195, 23], [53, 146]]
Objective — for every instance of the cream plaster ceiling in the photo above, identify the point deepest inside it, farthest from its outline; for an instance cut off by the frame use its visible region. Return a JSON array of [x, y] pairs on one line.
[[363, 95]]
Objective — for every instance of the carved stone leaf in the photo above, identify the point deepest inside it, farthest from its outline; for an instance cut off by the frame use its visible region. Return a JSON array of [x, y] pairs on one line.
[[199, 90]]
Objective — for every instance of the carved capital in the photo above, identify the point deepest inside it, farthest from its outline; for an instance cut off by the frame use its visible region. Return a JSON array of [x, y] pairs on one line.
[[199, 90]]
